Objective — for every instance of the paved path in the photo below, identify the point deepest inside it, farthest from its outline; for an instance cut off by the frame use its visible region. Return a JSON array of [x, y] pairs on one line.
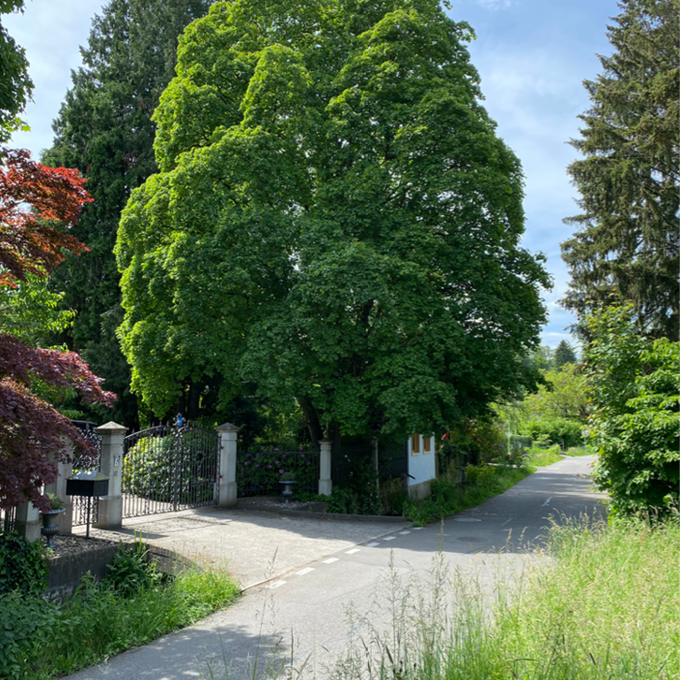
[[310, 601]]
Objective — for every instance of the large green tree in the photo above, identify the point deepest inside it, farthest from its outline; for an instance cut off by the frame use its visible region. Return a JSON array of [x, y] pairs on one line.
[[626, 247], [334, 218], [105, 130]]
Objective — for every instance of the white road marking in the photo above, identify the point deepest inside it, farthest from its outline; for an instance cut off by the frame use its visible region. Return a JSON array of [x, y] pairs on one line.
[[304, 571], [417, 528], [330, 560], [403, 533], [546, 503], [389, 538], [467, 519], [275, 584], [372, 545], [352, 551]]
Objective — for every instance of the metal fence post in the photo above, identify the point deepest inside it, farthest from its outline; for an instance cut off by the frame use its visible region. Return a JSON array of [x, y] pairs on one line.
[[228, 493], [110, 514], [325, 482]]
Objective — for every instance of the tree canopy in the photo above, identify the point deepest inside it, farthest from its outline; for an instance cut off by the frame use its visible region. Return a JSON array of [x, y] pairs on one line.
[[334, 219], [104, 129], [626, 247]]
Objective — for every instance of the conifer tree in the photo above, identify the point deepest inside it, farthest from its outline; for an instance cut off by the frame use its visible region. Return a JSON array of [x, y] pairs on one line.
[[104, 129], [564, 354], [626, 247]]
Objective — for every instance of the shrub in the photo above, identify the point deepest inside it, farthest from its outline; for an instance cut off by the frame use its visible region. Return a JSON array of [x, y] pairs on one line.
[[563, 431], [22, 565], [635, 388], [520, 442], [260, 472], [171, 469], [131, 570]]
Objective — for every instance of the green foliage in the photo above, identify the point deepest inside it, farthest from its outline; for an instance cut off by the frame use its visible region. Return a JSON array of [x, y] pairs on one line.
[[15, 84], [626, 246], [170, 468], [333, 216], [22, 565], [564, 354], [561, 396], [42, 640], [634, 385], [30, 311], [604, 608], [449, 498], [262, 471], [361, 496], [518, 442], [542, 457], [554, 431], [132, 571], [104, 129]]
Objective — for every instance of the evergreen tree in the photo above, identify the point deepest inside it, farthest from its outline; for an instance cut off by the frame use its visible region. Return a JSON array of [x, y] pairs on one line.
[[626, 246], [105, 130], [564, 354], [334, 218]]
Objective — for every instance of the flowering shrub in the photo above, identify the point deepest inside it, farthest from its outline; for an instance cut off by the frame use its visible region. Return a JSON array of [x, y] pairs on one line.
[[259, 473]]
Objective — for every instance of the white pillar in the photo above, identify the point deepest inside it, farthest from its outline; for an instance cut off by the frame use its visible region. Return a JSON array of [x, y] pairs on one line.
[[325, 482], [58, 488], [228, 434], [110, 515], [28, 522]]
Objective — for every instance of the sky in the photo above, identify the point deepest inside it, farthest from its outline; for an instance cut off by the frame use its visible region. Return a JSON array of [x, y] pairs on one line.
[[532, 56]]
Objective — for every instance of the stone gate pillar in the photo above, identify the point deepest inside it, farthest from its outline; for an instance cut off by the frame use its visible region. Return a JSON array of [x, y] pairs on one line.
[[28, 522], [58, 488], [228, 434], [325, 482], [110, 515]]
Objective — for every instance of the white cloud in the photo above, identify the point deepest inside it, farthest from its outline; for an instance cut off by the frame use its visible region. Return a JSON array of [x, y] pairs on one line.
[[495, 4]]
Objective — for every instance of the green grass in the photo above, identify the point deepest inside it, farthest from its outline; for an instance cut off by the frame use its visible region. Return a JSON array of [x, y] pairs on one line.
[[43, 640], [543, 457], [579, 451], [606, 610], [448, 498]]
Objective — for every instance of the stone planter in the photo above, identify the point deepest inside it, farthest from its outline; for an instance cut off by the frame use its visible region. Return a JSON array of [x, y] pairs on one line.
[[50, 528], [287, 485]]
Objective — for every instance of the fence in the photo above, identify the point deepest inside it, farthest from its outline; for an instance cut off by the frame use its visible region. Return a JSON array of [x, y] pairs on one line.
[[7, 520], [80, 503], [258, 472], [169, 468]]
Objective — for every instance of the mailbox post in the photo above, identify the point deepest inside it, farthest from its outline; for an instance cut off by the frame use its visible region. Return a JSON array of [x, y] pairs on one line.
[[89, 483]]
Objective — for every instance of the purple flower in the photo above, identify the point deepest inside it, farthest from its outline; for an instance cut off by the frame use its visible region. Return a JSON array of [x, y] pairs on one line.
[[276, 450], [280, 472]]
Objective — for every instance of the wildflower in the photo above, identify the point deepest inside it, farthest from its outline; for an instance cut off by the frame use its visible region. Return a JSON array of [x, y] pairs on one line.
[[280, 472]]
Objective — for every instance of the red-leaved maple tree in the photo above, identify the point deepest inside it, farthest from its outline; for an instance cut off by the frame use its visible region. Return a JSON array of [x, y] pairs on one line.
[[36, 204]]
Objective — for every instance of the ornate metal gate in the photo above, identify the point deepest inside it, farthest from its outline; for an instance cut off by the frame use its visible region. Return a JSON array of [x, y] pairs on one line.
[[169, 468]]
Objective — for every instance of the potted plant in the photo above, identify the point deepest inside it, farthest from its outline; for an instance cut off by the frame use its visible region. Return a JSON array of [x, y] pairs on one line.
[[50, 528], [287, 480]]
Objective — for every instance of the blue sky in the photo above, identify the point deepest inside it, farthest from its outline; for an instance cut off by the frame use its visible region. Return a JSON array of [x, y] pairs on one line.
[[532, 56]]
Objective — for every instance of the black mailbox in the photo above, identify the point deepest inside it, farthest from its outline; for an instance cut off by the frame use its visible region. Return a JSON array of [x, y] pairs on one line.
[[87, 483]]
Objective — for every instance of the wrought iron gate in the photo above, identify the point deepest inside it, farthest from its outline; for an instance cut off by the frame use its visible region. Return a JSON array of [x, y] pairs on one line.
[[169, 468], [80, 503]]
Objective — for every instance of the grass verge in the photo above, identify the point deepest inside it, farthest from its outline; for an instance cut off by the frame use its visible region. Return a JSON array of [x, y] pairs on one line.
[[40, 639], [606, 610], [448, 499], [543, 457]]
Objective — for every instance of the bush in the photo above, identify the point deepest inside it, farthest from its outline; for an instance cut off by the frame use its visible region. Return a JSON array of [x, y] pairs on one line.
[[131, 571], [171, 469], [260, 472], [563, 431], [634, 385], [520, 442], [22, 565]]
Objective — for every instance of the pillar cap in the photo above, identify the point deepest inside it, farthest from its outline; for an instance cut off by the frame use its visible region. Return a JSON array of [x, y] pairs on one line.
[[227, 427], [325, 441], [111, 428]]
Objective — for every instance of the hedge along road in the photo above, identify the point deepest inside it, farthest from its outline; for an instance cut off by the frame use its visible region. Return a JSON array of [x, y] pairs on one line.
[[309, 602]]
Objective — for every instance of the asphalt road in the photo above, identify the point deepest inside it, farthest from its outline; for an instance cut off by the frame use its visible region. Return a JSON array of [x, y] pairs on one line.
[[309, 605]]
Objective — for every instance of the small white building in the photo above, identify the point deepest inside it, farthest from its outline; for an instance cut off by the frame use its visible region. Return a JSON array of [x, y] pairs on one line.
[[421, 465]]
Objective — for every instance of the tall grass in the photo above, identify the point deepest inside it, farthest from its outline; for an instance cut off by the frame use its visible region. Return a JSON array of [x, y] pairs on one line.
[[606, 609], [447, 498], [54, 640]]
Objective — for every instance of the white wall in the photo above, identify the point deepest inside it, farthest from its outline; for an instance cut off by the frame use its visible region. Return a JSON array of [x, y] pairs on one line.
[[421, 465]]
